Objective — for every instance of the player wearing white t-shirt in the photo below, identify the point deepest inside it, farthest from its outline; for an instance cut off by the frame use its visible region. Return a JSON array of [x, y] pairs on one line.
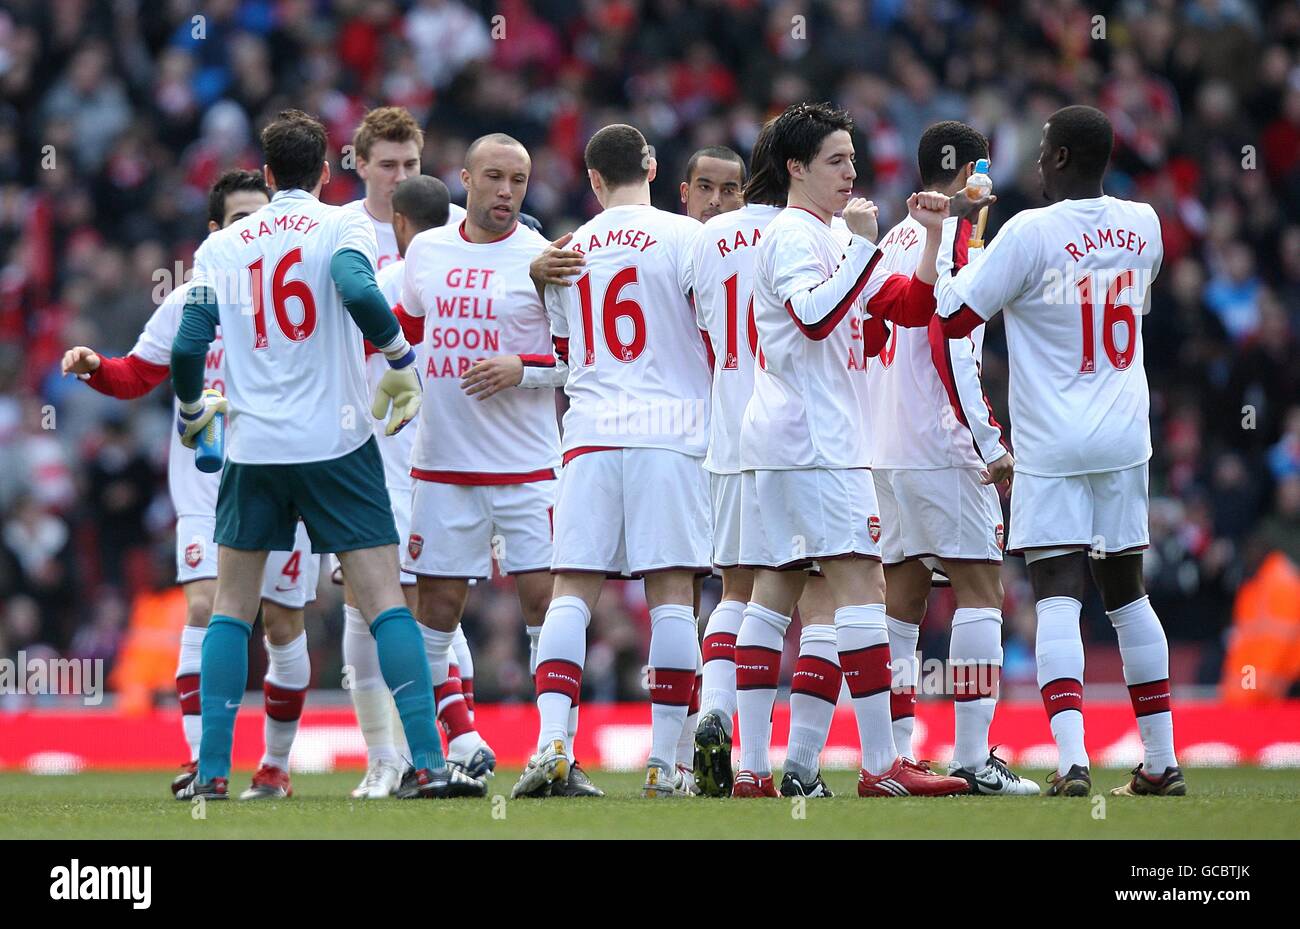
[[1073, 280], [486, 456], [289, 580], [805, 443], [935, 468], [293, 289], [633, 498]]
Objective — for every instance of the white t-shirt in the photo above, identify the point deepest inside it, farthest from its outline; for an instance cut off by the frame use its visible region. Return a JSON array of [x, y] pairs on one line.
[[1074, 281], [724, 303], [478, 301], [914, 423], [638, 371], [394, 449], [387, 239], [295, 368], [809, 289]]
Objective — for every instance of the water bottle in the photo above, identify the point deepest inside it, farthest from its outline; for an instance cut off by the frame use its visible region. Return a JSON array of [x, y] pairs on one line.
[[210, 444], [979, 185]]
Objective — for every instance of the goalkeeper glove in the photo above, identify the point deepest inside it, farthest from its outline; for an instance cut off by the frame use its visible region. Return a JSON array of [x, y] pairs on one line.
[[194, 417], [399, 390]]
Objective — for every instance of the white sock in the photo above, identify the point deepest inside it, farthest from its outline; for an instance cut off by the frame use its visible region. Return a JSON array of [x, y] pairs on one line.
[[561, 654], [1058, 649], [437, 649], [904, 671], [673, 646], [188, 662], [1145, 651], [975, 654], [863, 638], [287, 675], [758, 667], [573, 731], [686, 744], [534, 633], [814, 691], [370, 697], [718, 689]]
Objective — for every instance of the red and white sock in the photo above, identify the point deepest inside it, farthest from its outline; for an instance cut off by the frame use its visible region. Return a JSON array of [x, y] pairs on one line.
[[814, 691], [718, 688], [284, 691], [464, 661], [673, 648], [449, 699], [561, 654], [863, 640], [1145, 651], [975, 655], [758, 668], [187, 686], [904, 671], [1058, 649], [686, 744]]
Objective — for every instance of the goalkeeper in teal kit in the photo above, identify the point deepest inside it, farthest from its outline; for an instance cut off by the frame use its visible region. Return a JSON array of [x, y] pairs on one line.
[[293, 289]]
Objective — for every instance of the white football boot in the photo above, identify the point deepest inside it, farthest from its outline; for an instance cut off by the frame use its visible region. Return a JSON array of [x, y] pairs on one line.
[[549, 765], [995, 779], [381, 780]]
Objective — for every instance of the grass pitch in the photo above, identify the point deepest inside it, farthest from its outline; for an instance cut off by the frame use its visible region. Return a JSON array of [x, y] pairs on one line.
[[1224, 803]]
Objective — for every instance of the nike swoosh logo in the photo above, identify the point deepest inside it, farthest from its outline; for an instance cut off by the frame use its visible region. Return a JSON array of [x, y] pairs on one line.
[[994, 784], [280, 702], [186, 695], [285, 590], [231, 706], [398, 688]]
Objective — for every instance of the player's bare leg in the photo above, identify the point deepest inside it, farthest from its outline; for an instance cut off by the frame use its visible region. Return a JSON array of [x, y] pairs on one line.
[[1145, 652], [907, 588], [814, 691], [686, 741], [674, 653], [199, 596], [1058, 578], [441, 603], [373, 704], [858, 586], [759, 644], [975, 657], [561, 654], [713, 732], [284, 691]]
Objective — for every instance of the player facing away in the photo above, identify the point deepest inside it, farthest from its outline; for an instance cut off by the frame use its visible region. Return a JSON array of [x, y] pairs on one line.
[[633, 499], [289, 581], [486, 454], [723, 264], [935, 469], [804, 442], [293, 290], [1073, 280]]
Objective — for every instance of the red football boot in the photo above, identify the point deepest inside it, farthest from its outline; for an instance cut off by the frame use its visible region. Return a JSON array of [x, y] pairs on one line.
[[909, 779], [749, 784], [269, 783]]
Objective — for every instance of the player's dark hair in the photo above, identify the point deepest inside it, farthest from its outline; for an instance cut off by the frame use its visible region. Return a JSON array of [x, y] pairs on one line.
[[945, 148], [1087, 135], [722, 153], [229, 183], [294, 146], [763, 186], [798, 134], [423, 200], [620, 154]]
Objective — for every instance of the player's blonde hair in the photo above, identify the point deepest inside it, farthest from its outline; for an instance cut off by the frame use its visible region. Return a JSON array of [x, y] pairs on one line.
[[387, 124]]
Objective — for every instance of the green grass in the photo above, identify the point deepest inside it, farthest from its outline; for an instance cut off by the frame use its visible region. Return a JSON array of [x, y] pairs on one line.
[[1224, 803]]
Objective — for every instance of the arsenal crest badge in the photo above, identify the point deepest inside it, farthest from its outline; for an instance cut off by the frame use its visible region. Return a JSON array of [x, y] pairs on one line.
[[997, 535], [873, 527], [414, 546], [194, 554]]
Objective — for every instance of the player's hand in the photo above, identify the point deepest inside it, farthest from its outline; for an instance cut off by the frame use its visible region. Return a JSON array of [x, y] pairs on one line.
[[963, 207], [557, 264], [190, 424], [1000, 471], [80, 360], [398, 395], [928, 208], [860, 216], [492, 375]]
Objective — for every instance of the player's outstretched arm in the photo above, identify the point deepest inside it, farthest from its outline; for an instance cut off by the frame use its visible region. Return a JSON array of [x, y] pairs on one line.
[[968, 296], [815, 302], [556, 265]]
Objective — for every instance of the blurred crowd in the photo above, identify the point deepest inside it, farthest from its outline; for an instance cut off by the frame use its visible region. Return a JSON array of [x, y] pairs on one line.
[[116, 115]]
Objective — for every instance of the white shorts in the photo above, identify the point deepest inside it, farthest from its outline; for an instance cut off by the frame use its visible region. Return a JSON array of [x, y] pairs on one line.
[[1105, 512], [807, 514], [944, 513], [627, 511], [401, 502], [725, 491], [457, 529], [289, 579]]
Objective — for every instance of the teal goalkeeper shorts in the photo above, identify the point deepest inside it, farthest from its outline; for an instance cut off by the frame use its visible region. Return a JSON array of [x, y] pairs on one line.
[[343, 502]]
